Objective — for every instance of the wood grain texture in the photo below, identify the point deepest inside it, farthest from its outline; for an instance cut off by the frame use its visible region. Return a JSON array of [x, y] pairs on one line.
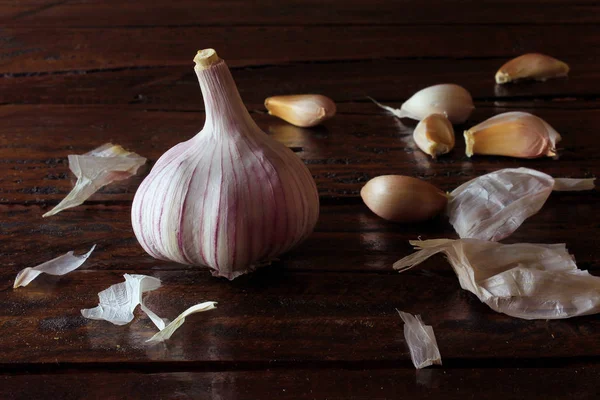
[[320, 323], [280, 317], [347, 238], [176, 87], [342, 155], [113, 13], [381, 384], [36, 50]]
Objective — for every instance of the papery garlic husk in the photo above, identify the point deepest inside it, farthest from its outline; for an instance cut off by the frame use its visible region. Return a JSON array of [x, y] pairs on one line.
[[513, 134], [493, 206], [424, 350], [303, 110], [403, 198], [531, 66], [230, 198], [449, 99], [434, 135], [523, 280]]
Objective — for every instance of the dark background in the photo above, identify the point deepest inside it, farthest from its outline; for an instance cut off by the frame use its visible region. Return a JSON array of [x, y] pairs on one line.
[[321, 323]]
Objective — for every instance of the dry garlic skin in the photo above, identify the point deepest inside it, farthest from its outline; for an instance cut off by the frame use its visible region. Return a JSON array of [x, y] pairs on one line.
[[403, 198], [230, 198], [450, 99], [512, 134], [303, 110], [434, 135], [531, 66]]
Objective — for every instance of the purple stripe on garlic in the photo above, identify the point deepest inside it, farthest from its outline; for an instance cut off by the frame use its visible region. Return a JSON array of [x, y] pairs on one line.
[[230, 198]]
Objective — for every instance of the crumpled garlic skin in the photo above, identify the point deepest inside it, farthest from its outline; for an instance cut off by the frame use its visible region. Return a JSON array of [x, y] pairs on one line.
[[424, 350], [512, 134], [449, 99], [434, 135], [531, 66], [303, 110], [95, 169], [523, 280], [230, 198], [492, 206]]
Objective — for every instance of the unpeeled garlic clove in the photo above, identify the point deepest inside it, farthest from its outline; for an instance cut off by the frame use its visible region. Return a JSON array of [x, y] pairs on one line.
[[513, 134], [434, 135], [531, 66], [403, 198], [303, 110], [452, 100]]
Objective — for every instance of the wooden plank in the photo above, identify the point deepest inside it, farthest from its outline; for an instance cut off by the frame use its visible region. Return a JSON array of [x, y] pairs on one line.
[[176, 87], [342, 155], [298, 384], [113, 13], [35, 50], [347, 237], [278, 317]]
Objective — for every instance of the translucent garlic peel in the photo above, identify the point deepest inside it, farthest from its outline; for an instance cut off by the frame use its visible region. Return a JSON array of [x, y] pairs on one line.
[[531, 66], [166, 332], [452, 100], [421, 341], [512, 134], [118, 302], [95, 169], [57, 266], [434, 135], [230, 198], [529, 281], [493, 206]]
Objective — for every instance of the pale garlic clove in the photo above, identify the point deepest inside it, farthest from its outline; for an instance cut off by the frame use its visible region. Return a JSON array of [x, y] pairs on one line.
[[512, 134], [434, 135], [303, 110], [403, 198], [531, 66], [452, 100]]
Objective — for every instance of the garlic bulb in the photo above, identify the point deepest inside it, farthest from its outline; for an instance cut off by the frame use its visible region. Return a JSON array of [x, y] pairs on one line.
[[303, 110], [403, 198], [452, 100], [531, 66], [230, 198], [513, 134], [434, 135]]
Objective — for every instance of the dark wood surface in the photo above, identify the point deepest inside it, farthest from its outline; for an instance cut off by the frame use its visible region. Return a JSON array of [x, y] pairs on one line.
[[321, 322]]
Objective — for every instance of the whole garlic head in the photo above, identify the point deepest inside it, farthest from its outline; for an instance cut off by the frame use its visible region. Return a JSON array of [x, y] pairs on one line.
[[230, 198]]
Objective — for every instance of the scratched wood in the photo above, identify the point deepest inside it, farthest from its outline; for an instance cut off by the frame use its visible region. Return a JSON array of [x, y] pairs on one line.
[[34, 50], [342, 155], [548, 383], [176, 87], [313, 12]]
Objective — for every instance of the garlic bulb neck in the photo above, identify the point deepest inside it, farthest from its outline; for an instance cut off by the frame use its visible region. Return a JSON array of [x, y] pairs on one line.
[[224, 107], [231, 198]]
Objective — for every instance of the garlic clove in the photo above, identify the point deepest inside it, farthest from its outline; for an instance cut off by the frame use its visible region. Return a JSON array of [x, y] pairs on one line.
[[531, 66], [512, 134], [303, 110], [434, 135], [452, 100], [403, 198]]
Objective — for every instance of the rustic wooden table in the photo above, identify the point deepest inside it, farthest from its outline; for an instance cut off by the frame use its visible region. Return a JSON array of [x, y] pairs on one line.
[[321, 323]]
